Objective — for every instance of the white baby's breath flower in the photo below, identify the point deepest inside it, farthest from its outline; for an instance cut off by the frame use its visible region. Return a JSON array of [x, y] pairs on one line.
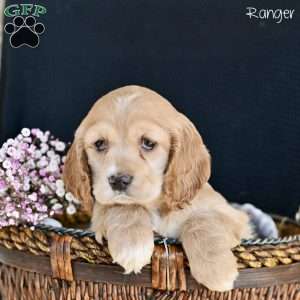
[[44, 148], [31, 178], [60, 192], [56, 158], [11, 222], [15, 214], [10, 142], [10, 179], [52, 167], [69, 197], [42, 162], [44, 138], [6, 164], [50, 153], [76, 201], [44, 189], [30, 164], [19, 137], [37, 154], [71, 209], [33, 197], [59, 183], [27, 140], [53, 201], [9, 173], [5, 146], [60, 146], [57, 206], [17, 155], [2, 153], [39, 133], [26, 187], [25, 132], [11, 151]]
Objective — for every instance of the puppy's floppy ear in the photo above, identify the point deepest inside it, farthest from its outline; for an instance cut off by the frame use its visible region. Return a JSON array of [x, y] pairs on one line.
[[76, 176], [189, 165]]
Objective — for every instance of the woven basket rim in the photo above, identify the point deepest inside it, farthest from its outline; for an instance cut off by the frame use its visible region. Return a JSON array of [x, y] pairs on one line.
[[113, 274], [79, 233], [69, 246]]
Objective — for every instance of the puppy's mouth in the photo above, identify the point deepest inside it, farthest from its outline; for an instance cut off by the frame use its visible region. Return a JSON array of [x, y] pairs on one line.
[[121, 195]]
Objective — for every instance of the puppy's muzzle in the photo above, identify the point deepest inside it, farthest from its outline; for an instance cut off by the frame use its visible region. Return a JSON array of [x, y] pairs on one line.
[[120, 182]]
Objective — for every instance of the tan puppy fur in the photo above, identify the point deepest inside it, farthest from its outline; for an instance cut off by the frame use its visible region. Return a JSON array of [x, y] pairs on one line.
[[169, 193]]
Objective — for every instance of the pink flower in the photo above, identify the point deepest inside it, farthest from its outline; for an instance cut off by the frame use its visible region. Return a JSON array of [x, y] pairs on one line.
[[2, 184], [42, 172], [24, 146], [33, 197], [34, 131], [30, 178], [15, 164], [51, 178]]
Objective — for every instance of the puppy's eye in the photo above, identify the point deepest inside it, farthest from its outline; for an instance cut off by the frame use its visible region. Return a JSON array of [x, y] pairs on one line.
[[101, 145], [147, 144]]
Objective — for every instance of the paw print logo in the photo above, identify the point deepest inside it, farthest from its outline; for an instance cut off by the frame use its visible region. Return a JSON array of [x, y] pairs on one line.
[[24, 32]]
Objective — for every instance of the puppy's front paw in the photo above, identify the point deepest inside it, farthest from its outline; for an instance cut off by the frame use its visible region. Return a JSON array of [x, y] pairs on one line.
[[132, 250], [99, 235], [217, 274]]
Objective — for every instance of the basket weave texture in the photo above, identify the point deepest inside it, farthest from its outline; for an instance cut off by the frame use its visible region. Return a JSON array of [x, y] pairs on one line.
[[53, 263]]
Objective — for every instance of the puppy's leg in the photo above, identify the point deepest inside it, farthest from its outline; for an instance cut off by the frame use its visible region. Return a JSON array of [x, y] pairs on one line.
[[207, 238], [129, 234], [97, 222]]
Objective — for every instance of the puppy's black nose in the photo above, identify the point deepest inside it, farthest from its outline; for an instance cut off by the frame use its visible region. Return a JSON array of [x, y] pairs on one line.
[[120, 182]]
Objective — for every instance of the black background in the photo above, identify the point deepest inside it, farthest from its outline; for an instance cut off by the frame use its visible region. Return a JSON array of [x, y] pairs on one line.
[[236, 79]]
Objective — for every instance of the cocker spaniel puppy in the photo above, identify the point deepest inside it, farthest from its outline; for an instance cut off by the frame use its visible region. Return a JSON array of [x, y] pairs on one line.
[[139, 166]]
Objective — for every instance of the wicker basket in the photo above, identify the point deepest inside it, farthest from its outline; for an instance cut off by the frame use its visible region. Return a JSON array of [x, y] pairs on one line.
[[54, 263]]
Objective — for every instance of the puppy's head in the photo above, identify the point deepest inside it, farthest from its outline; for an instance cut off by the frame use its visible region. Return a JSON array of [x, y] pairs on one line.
[[133, 147]]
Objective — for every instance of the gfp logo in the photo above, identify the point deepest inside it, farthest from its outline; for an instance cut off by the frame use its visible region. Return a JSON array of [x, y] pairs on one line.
[[24, 30]]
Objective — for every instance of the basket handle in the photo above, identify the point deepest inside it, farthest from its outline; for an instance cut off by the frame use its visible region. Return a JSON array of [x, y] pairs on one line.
[[60, 257], [168, 268]]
